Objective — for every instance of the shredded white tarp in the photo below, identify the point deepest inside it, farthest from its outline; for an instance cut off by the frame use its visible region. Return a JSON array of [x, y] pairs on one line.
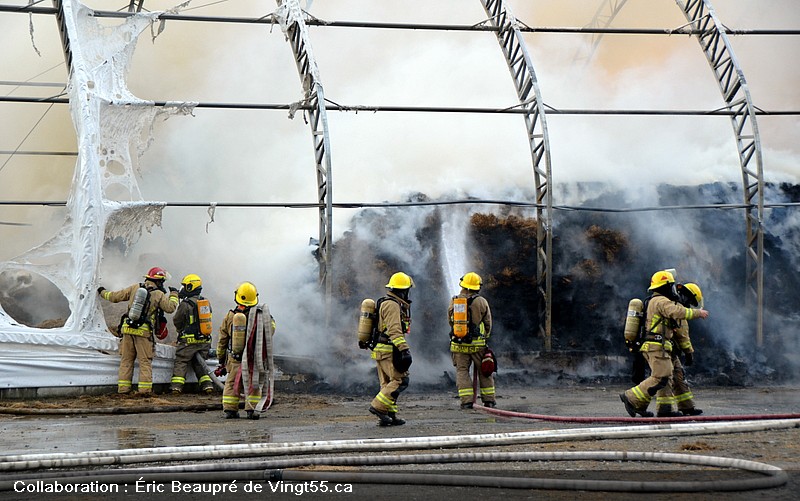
[[26, 366], [114, 128]]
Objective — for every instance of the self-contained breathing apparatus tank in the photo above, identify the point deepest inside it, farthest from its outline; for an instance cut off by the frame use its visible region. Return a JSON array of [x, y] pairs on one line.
[[239, 333], [204, 317], [633, 321], [366, 319], [137, 307], [460, 317]]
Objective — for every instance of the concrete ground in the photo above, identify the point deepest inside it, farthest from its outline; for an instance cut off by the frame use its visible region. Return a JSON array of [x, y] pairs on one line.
[[304, 417]]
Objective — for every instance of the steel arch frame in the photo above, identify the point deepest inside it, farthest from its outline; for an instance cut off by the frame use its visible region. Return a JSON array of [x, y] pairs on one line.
[[733, 86], [521, 67], [297, 33]]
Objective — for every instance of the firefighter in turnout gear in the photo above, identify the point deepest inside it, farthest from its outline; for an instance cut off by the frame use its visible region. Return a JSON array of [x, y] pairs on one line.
[[662, 320], [244, 349], [391, 353], [690, 295], [468, 349], [194, 335], [138, 326]]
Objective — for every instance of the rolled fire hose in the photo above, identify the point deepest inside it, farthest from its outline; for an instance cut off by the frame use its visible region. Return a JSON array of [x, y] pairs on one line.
[[156, 454]]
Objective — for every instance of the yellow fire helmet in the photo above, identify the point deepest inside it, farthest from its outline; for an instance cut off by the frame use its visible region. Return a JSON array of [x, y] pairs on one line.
[[471, 281], [661, 278], [698, 294], [400, 281], [246, 294], [191, 282]]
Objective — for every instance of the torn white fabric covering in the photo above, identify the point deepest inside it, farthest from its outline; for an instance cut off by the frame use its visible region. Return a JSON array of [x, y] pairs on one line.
[[56, 366], [289, 12], [114, 128]]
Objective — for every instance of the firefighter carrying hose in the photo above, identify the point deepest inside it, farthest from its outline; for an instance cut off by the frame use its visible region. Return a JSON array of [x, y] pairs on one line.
[[244, 349], [470, 327], [139, 325], [391, 352], [192, 320], [662, 317]]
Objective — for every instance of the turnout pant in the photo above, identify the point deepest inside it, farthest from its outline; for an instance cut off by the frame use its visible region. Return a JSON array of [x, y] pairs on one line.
[[185, 358], [466, 392], [392, 384], [659, 384], [132, 348]]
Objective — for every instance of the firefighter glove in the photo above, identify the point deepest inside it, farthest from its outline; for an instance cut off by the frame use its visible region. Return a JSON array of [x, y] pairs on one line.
[[689, 357], [100, 290], [220, 371], [404, 361], [173, 289], [363, 345]]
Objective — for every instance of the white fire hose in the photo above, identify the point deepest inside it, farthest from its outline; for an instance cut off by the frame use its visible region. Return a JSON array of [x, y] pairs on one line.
[[274, 469]]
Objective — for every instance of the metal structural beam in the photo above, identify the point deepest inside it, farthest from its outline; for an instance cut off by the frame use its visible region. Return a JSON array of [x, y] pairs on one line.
[[530, 98], [291, 18], [732, 84], [602, 18]]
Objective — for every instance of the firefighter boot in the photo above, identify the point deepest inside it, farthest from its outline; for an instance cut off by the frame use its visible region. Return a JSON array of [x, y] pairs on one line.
[[231, 414], [252, 415], [694, 411], [666, 411], [396, 421], [631, 410], [383, 417], [468, 405], [490, 404]]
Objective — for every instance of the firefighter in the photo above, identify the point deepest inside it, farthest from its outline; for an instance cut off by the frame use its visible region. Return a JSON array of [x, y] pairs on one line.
[[662, 317], [469, 350], [690, 296], [194, 336], [138, 334], [244, 351], [391, 353]]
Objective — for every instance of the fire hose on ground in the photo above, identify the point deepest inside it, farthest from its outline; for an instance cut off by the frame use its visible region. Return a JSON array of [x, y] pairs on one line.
[[273, 470]]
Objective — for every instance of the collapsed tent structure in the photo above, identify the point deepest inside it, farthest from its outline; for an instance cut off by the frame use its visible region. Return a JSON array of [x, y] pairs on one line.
[[114, 128]]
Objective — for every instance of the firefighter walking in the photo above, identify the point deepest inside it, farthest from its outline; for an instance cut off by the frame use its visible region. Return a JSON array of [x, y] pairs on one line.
[[139, 325], [690, 296], [391, 352], [661, 318], [470, 328], [192, 320], [245, 353]]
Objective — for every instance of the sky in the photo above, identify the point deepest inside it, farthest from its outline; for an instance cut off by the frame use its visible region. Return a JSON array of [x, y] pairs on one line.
[[264, 156]]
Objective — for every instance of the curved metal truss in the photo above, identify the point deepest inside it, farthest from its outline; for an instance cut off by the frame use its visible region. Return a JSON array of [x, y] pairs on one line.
[[530, 98], [730, 77], [291, 19], [602, 18], [706, 27]]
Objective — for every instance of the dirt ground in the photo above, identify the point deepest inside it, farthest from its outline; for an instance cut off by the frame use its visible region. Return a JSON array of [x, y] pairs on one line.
[[101, 423]]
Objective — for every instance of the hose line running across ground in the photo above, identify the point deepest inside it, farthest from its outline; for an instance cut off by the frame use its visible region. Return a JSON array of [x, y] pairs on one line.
[[271, 470], [275, 470]]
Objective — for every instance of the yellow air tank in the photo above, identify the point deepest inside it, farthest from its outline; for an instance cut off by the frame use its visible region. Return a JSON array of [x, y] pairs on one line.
[[460, 327], [204, 317], [633, 319], [239, 334], [365, 320]]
